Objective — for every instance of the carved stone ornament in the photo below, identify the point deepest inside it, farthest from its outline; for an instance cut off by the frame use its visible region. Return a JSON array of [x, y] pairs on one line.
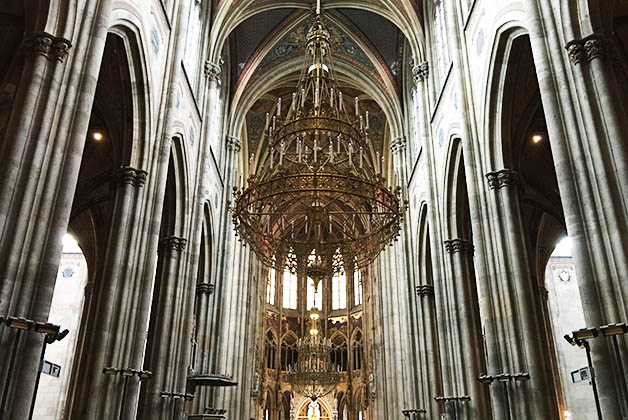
[[503, 178], [212, 71], [589, 48], [424, 290], [51, 47], [234, 144], [174, 243], [131, 176], [421, 72], [398, 144], [205, 289], [459, 245]]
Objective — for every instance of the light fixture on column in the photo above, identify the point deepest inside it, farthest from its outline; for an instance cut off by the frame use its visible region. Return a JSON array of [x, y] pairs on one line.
[[453, 401], [504, 379], [52, 335], [579, 339], [320, 186], [21, 325], [413, 414], [126, 373]]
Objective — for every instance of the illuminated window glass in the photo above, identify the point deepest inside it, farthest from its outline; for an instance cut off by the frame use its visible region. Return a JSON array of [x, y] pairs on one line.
[[290, 282], [270, 284], [314, 296], [357, 283], [338, 283]]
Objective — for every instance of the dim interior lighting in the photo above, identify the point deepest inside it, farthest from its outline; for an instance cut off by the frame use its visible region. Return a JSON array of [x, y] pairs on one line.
[[537, 137], [98, 136]]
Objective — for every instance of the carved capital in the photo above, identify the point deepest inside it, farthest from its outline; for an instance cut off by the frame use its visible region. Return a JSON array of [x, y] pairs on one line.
[[589, 48], [140, 177], [398, 144], [51, 47], [576, 53], [234, 144], [173, 243], [125, 175], [424, 290], [459, 245], [503, 178], [421, 72], [205, 289], [131, 176], [212, 71], [61, 49]]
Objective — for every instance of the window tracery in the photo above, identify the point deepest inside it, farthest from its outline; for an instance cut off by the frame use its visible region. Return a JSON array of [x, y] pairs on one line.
[[358, 350], [339, 352], [270, 350], [289, 354]]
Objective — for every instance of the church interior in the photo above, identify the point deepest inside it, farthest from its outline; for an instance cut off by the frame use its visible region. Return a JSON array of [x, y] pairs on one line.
[[314, 210]]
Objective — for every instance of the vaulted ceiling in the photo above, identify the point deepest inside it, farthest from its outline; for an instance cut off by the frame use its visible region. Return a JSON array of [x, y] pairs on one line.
[[266, 49]]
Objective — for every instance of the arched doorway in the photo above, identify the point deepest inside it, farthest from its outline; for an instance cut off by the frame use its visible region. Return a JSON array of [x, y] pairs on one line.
[[313, 410]]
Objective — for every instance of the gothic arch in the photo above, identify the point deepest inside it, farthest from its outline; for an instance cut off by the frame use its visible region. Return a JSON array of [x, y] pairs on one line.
[[457, 220], [228, 18], [284, 75], [124, 26]]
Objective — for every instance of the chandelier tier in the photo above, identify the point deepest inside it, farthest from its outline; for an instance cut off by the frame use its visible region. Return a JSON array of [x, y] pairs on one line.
[[321, 185], [314, 376]]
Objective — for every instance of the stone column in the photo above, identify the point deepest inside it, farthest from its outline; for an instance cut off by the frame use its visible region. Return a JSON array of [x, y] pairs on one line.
[[464, 333], [165, 336], [585, 148], [39, 164], [428, 351], [107, 313], [523, 343]]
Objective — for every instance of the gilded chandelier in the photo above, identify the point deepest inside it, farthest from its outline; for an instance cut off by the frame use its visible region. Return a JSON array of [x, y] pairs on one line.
[[321, 185], [314, 375]]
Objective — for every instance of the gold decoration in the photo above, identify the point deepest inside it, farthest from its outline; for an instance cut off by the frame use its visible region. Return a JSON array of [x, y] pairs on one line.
[[320, 186]]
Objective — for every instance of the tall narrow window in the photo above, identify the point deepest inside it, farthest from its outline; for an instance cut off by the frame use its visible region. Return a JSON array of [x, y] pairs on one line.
[[314, 292], [290, 282], [270, 349], [338, 283], [314, 295], [357, 284], [270, 284]]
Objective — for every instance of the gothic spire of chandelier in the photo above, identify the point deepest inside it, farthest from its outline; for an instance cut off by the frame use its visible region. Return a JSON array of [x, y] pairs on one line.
[[320, 186]]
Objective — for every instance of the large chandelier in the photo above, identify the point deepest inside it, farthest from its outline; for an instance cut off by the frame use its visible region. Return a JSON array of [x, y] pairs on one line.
[[314, 375], [321, 185]]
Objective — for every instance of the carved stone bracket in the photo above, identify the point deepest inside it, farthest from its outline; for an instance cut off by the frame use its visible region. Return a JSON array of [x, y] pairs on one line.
[[503, 178], [234, 144], [205, 289], [212, 71], [131, 176], [51, 47], [424, 290], [421, 72], [459, 245], [398, 144], [589, 48], [173, 243]]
